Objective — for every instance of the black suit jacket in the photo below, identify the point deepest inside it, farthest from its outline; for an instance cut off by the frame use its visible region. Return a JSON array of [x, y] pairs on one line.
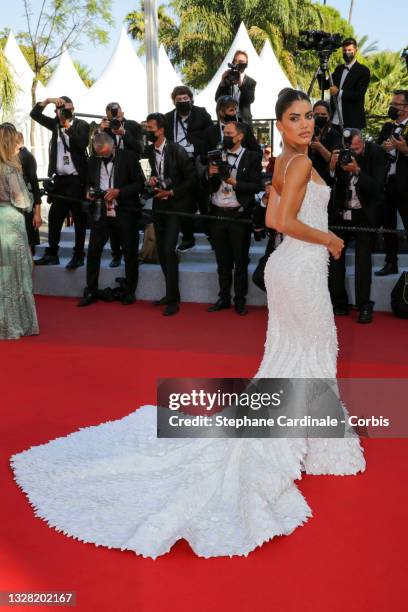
[[78, 141], [198, 121], [29, 168], [249, 180], [212, 140], [133, 138], [369, 187], [354, 90], [402, 160], [127, 176], [246, 98], [180, 169]]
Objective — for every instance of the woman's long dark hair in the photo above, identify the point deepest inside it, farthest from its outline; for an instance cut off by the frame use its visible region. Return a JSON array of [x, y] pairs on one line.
[[286, 98]]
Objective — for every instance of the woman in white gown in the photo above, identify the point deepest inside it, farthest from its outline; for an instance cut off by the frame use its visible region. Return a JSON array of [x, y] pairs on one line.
[[117, 485]]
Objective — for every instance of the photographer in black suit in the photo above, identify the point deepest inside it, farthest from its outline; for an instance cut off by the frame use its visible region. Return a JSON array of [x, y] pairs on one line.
[[350, 83], [234, 177], [173, 177], [127, 134], [185, 124], [227, 112], [358, 195], [325, 140], [33, 217], [394, 140], [235, 83], [68, 162], [115, 180]]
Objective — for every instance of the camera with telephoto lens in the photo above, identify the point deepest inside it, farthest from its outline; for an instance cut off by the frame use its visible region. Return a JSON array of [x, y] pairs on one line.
[[346, 155], [114, 123], [233, 75], [66, 113], [150, 191], [49, 185], [218, 158], [318, 40], [97, 206]]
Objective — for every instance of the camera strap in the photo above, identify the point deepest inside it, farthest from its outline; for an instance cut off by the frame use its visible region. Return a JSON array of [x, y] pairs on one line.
[[179, 121], [64, 142], [159, 165]]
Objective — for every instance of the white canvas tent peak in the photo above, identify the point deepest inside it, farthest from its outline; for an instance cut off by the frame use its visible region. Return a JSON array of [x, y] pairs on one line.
[[241, 42], [123, 81], [271, 81], [168, 80], [65, 80]]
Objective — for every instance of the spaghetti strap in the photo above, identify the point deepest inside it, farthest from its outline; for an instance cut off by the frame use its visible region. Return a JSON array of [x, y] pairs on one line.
[[291, 159]]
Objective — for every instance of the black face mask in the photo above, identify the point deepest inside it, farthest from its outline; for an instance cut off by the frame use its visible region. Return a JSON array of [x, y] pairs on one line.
[[242, 67], [228, 142], [229, 118], [348, 57], [321, 121], [183, 108], [393, 112], [151, 136]]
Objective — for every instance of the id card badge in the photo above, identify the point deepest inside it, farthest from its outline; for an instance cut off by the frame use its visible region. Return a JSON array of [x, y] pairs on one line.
[[111, 210], [347, 215], [65, 160]]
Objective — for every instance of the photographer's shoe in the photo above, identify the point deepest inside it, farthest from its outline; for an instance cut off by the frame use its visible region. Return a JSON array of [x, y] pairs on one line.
[[366, 313], [171, 309], [161, 302], [87, 300], [186, 246], [128, 299], [115, 263], [340, 311], [219, 305], [241, 309], [74, 263], [389, 268], [47, 260]]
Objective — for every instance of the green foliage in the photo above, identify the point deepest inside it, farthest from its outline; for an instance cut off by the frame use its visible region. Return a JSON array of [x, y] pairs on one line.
[[8, 88]]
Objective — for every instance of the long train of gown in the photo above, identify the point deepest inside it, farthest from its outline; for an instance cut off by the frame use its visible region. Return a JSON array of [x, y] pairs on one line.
[[117, 485]]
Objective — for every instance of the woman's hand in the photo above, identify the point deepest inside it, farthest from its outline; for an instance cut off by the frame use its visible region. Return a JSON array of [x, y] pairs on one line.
[[335, 245], [37, 221]]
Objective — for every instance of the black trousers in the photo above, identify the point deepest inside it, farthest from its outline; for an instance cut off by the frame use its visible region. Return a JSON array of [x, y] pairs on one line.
[[187, 225], [68, 186], [365, 242], [114, 239], [395, 201], [231, 245], [33, 234], [167, 229], [126, 224]]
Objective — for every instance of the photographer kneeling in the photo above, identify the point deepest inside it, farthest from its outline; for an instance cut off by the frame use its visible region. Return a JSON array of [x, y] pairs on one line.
[[115, 180], [359, 173], [234, 177]]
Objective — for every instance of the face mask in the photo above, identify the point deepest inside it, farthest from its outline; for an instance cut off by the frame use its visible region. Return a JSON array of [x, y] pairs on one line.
[[229, 118], [183, 108], [393, 112], [348, 57], [151, 136], [321, 121], [242, 67], [228, 142]]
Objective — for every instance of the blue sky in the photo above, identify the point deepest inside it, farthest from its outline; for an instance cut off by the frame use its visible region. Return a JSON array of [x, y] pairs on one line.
[[372, 17]]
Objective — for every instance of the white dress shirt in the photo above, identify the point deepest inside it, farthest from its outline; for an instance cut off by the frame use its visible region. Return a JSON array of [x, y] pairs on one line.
[[394, 152], [180, 134], [346, 70], [159, 156], [64, 160]]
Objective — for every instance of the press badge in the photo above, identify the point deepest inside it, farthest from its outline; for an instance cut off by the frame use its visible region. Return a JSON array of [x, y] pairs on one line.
[[65, 160], [111, 210], [347, 215]]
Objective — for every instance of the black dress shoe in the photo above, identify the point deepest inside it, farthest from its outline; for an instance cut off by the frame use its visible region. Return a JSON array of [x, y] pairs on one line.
[[115, 263], [219, 305], [74, 263], [340, 311], [161, 302], [389, 268], [366, 313], [186, 245], [241, 309], [171, 309], [47, 260], [128, 299], [87, 300]]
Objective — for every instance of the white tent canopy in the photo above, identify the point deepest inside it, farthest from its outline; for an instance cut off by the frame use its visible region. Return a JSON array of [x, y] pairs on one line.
[[123, 81], [65, 80], [270, 83], [241, 42], [168, 79]]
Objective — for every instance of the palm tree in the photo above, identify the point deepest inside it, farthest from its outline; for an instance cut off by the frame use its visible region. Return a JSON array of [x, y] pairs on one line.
[[8, 88]]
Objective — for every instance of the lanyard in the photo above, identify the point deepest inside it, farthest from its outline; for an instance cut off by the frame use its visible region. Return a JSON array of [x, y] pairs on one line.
[[178, 120], [237, 160], [64, 142], [159, 166]]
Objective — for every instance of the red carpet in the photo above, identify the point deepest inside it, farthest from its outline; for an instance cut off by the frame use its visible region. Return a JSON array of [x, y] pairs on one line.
[[100, 363]]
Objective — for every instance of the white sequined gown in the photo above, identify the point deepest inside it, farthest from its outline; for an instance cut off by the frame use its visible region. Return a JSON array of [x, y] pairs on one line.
[[117, 485]]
